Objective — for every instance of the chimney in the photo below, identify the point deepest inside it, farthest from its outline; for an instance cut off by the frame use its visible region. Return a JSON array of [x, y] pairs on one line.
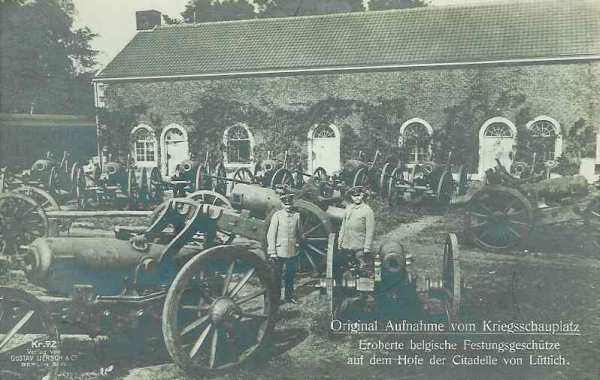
[[145, 20]]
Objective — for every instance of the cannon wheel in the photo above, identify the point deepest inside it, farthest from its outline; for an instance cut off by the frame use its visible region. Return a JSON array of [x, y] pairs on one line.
[[144, 189], [52, 184], [80, 187], [41, 197], [385, 173], [320, 174], [23, 221], [5, 175], [591, 219], [281, 177], [219, 182], [451, 280], [498, 218], [24, 319], [462, 180], [155, 191], [210, 197], [73, 179], [391, 193], [220, 310], [203, 174], [242, 175], [360, 178], [133, 195], [445, 188]]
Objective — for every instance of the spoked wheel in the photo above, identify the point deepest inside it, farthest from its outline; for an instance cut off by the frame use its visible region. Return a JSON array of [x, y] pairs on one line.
[[133, 190], [5, 179], [22, 220], [298, 180], [155, 189], [80, 188], [242, 175], [220, 310], [320, 175], [282, 178], [385, 173], [41, 197], [73, 179], [591, 219], [26, 324], [498, 218], [360, 178], [392, 193], [144, 189], [445, 188], [52, 182], [219, 182], [451, 280], [462, 180], [203, 180], [210, 197]]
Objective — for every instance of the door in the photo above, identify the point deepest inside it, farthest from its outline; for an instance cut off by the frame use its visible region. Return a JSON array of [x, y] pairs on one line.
[[496, 141], [176, 149], [324, 148]]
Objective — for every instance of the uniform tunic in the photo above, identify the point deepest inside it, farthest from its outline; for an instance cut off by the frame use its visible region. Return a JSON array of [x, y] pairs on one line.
[[283, 234], [358, 228]]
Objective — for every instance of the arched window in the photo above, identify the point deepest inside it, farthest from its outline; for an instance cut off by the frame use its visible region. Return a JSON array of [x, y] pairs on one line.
[[144, 145], [415, 140], [499, 130], [238, 143], [545, 139]]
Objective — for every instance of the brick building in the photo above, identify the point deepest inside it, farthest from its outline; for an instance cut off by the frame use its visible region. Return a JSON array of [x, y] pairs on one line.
[[415, 83]]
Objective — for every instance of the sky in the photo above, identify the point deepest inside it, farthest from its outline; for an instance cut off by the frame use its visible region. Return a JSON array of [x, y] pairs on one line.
[[114, 20]]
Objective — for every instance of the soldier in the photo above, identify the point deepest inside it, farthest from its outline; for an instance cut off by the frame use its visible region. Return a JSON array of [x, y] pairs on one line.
[[283, 238], [356, 234], [178, 188]]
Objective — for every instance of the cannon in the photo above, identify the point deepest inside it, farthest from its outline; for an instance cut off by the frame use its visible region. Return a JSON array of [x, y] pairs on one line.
[[425, 181], [390, 285], [213, 305], [503, 212]]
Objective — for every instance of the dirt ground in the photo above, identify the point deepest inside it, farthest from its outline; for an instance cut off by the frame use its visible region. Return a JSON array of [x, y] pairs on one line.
[[554, 276]]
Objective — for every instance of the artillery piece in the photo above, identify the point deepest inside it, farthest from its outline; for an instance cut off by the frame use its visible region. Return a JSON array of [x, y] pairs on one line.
[[391, 286], [502, 213], [425, 181], [216, 304]]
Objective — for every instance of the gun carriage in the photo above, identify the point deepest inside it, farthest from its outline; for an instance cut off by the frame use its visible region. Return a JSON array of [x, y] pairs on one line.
[[391, 285], [504, 211], [213, 305], [425, 181]]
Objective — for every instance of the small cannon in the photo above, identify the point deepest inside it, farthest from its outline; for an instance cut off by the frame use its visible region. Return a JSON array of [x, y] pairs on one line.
[[389, 285], [213, 305], [425, 181], [503, 212]]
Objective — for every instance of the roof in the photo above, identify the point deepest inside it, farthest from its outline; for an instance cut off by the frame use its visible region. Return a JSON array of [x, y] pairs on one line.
[[43, 120], [530, 31]]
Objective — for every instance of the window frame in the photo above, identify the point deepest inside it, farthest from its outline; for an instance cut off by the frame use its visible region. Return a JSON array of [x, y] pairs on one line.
[[143, 128], [226, 141], [415, 153]]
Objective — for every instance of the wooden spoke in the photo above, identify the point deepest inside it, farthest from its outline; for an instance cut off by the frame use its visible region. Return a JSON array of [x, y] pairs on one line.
[[311, 261], [253, 316], [194, 324], [200, 341], [317, 250], [242, 282], [16, 328], [213, 348], [228, 277], [250, 297]]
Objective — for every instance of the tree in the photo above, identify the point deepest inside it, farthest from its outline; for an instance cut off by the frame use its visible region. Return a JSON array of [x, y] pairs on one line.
[[46, 64], [284, 8], [377, 5], [215, 10]]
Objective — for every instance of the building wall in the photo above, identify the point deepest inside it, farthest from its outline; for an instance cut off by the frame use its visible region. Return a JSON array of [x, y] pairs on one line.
[[564, 92]]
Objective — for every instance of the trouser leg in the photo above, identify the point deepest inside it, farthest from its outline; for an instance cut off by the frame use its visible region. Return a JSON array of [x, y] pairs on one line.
[[278, 269], [291, 266]]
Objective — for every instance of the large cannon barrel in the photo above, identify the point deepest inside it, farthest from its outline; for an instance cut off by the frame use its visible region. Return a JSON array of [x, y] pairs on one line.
[[393, 257], [189, 166], [258, 200], [562, 186], [112, 168], [59, 263]]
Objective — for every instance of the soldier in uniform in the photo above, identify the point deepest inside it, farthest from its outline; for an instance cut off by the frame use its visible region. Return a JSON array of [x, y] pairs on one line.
[[356, 234], [283, 238]]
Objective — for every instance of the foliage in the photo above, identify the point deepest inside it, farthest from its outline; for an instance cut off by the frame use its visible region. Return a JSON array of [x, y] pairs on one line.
[[376, 5], [114, 128], [222, 10], [46, 63], [580, 143]]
